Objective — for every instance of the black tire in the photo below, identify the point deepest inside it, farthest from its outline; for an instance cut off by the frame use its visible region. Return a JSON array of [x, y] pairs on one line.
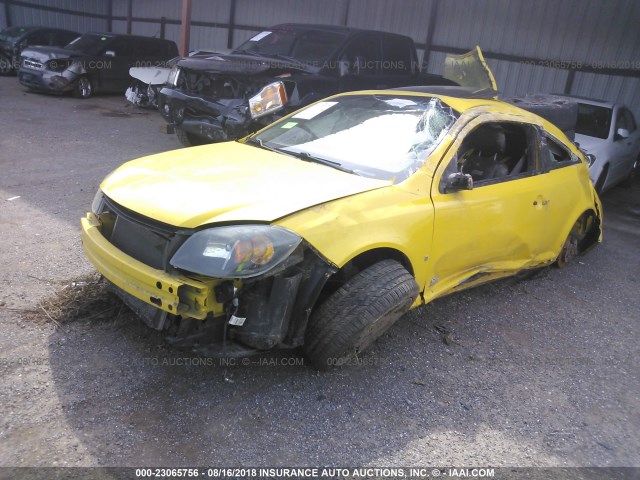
[[6, 67], [83, 88], [634, 174], [189, 139], [602, 179], [356, 314], [578, 239]]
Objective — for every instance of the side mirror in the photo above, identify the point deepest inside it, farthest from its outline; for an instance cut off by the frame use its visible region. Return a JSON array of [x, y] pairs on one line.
[[109, 53], [622, 133], [458, 181]]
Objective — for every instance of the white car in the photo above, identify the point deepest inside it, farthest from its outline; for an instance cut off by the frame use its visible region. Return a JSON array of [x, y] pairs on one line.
[[608, 132]]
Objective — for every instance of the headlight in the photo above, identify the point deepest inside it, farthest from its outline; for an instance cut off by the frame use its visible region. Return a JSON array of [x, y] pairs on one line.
[[240, 251], [57, 65], [591, 158], [96, 205], [269, 99], [174, 75]]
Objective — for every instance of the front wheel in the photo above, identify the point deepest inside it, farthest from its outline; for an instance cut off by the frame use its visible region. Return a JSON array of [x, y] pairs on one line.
[[6, 67], [354, 316], [83, 89]]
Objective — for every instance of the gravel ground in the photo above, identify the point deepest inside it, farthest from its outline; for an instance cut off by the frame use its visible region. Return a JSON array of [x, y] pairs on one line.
[[536, 372]]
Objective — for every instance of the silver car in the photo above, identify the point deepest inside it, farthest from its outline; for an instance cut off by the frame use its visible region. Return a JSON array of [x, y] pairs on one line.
[[608, 132]]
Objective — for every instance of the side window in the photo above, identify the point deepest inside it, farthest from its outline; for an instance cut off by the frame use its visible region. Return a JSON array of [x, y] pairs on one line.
[[621, 120], [121, 47], [150, 48], [493, 153], [396, 56], [629, 120], [556, 155], [362, 55]]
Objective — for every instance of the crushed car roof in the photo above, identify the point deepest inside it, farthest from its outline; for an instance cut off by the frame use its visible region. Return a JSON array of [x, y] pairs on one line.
[[590, 101]]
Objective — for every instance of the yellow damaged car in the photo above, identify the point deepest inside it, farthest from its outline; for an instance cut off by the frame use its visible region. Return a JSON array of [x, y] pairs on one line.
[[324, 228]]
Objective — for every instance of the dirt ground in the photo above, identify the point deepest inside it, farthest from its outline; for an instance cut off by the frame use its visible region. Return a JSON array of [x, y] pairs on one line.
[[535, 372]]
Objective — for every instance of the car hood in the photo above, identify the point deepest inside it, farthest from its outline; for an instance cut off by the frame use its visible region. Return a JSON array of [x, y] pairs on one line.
[[227, 182], [238, 64], [44, 54], [592, 145]]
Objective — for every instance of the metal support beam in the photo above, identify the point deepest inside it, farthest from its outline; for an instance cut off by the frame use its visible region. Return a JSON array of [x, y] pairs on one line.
[[232, 24], [109, 15], [163, 27], [129, 16], [569, 83], [7, 12], [185, 27], [433, 16], [345, 17]]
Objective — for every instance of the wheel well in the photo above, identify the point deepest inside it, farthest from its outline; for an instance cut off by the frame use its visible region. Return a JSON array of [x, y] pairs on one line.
[[592, 223], [359, 263]]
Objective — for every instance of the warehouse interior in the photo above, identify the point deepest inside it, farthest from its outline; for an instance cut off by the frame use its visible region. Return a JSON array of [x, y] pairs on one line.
[[583, 48]]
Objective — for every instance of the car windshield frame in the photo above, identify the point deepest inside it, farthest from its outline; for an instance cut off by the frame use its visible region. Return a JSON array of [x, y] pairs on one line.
[[89, 43], [382, 136], [594, 120], [302, 46]]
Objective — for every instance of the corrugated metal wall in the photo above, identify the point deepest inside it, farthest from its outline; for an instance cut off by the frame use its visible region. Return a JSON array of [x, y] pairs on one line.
[[22, 13], [598, 34]]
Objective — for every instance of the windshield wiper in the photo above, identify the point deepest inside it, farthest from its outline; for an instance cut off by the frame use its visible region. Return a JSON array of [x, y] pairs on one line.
[[306, 156], [259, 143], [322, 161]]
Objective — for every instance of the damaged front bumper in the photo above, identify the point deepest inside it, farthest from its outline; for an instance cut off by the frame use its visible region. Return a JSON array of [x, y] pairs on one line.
[[174, 294], [217, 120], [269, 311], [47, 81]]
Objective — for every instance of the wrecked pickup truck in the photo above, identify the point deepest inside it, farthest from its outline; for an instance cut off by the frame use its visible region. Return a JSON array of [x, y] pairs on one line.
[[214, 98]]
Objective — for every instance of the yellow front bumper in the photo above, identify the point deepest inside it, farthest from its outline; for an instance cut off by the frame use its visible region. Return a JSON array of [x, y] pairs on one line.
[[175, 294]]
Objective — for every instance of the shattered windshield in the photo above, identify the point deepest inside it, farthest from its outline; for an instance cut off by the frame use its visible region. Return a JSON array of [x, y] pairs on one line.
[[381, 136], [593, 120], [312, 47], [90, 44]]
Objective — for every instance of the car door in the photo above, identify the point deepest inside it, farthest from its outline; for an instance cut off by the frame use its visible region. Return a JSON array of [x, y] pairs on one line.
[[496, 227], [622, 148], [113, 64], [565, 186]]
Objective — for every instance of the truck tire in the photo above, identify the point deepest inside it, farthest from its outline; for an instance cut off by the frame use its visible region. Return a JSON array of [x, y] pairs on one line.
[[358, 313], [189, 139], [562, 112]]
